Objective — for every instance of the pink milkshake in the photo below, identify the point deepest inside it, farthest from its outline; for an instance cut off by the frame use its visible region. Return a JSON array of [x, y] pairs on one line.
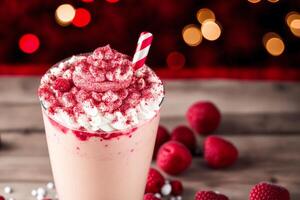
[[101, 118]]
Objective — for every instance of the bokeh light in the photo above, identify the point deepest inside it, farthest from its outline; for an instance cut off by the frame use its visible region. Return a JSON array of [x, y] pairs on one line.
[[210, 30], [295, 27], [295, 24], [175, 60], [273, 44], [273, 1], [254, 1], [29, 43], [82, 17], [291, 16], [64, 14], [205, 14], [192, 35], [293, 21], [112, 1]]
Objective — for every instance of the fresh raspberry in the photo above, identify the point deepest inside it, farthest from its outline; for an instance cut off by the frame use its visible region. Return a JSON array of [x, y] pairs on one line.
[[174, 158], [177, 188], [162, 137], [268, 191], [185, 136], [219, 153], [150, 196], [62, 85], [209, 195], [82, 95], [154, 181], [2, 198], [204, 117]]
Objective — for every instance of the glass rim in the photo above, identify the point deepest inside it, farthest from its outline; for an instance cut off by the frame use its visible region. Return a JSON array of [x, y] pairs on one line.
[[44, 109]]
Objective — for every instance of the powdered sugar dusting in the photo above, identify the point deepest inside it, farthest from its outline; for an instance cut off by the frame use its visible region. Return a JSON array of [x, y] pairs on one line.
[[100, 92]]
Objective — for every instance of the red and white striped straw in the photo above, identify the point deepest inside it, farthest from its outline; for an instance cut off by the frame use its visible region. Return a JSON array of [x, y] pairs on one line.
[[142, 50]]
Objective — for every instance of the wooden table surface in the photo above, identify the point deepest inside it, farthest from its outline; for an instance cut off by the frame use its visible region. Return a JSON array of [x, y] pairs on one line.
[[261, 118]]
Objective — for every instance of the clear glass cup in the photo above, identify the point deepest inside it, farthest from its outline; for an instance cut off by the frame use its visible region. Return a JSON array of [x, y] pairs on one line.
[[87, 166]]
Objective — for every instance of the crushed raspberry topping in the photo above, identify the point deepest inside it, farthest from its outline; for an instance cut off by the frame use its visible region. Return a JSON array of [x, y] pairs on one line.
[[100, 92]]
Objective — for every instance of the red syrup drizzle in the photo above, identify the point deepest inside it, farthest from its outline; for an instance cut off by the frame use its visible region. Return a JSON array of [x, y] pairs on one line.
[[58, 126], [84, 136]]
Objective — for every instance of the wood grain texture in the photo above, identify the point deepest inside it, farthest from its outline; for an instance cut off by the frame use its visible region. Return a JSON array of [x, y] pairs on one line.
[[247, 107], [231, 96], [24, 163], [261, 118]]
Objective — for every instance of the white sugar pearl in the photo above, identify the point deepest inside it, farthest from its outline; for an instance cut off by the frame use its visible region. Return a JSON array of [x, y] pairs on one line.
[[11, 198], [173, 198], [34, 193], [40, 197], [179, 198], [41, 191], [8, 190], [50, 185], [157, 195], [166, 189]]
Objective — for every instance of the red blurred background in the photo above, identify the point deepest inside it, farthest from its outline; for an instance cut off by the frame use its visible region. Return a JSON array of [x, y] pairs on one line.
[[244, 39]]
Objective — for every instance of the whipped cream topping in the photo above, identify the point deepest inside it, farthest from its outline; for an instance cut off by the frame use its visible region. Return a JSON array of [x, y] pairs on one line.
[[100, 92]]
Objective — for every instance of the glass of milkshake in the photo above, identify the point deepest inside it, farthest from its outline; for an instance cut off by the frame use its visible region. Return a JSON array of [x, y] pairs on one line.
[[101, 118]]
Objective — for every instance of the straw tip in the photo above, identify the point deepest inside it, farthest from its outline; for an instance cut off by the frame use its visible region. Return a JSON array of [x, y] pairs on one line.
[[146, 33]]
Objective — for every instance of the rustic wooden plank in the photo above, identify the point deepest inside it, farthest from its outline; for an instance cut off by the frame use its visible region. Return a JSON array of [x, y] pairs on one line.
[[247, 106], [261, 158], [27, 118], [19, 89], [231, 96], [17, 144], [20, 117], [251, 123]]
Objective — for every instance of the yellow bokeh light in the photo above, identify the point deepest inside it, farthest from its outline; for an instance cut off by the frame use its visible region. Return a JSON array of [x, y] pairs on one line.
[[273, 44], [192, 35], [211, 30], [295, 27], [254, 1], [273, 1], [291, 16], [64, 14], [296, 32], [295, 24], [205, 14]]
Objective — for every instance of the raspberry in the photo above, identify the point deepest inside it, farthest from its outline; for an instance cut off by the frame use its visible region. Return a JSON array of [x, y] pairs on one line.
[[174, 158], [185, 136], [68, 99], [177, 188], [97, 96], [162, 137], [209, 195], [150, 196], [82, 95], [203, 117], [268, 191], [154, 181], [62, 85], [2, 198], [123, 93], [219, 153]]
